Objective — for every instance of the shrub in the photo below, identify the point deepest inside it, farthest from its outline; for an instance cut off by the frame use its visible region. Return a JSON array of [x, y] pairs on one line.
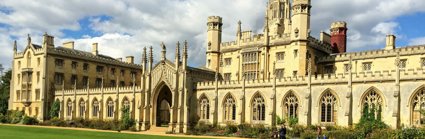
[[14, 117], [292, 121], [201, 128], [382, 134], [54, 110], [342, 134], [296, 131], [410, 133], [279, 120], [127, 122], [230, 128], [29, 120], [308, 134], [368, 122], [55, 122], [3, 119], [255, 131]]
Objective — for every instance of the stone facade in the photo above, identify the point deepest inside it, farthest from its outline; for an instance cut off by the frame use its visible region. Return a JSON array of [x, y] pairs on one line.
[[282, 72]]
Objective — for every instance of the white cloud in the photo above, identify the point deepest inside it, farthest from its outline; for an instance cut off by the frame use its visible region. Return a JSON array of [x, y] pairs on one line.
[[136, 24], [417, 41]]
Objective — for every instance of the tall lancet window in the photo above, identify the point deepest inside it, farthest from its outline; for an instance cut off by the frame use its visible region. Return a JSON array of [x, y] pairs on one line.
[[258, 108], [229, 107], [204, 108]]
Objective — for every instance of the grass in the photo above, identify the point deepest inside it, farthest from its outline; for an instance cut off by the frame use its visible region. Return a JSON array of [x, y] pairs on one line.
[[25, 132]]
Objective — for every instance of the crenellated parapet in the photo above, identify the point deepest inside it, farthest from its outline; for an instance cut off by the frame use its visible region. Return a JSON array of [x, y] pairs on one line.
[[97, 91], [411, 50], [320, 45], [320, 79]]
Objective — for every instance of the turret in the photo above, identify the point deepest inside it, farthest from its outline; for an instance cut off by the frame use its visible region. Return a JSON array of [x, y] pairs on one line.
[[213, 41], [278, 16], [339, 37], [300, 19]]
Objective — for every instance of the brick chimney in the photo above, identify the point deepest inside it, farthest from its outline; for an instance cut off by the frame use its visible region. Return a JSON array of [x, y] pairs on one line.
[[339, 37]]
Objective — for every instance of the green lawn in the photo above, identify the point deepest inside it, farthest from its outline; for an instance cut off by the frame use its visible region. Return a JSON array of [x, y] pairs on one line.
[[20, 132]]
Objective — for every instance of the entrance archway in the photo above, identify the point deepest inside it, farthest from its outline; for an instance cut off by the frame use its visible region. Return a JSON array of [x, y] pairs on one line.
[[163, 104]]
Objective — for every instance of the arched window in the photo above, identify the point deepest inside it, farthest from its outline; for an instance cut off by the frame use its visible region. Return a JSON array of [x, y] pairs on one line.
[[82, 108], [418, 106], [290, 103], [258, 108], [372, 104], [110, 110], [126, 104], [204, 108], [328, 107], [69, 108], [229, 107], [95, 108]]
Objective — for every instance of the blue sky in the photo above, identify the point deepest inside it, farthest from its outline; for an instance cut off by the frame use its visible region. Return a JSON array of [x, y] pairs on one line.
[[124, 27]]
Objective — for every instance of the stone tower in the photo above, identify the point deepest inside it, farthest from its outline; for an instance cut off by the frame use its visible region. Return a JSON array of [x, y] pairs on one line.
[[213, 42], [300, 19], [300, 32], [278, 16], [339, 37]]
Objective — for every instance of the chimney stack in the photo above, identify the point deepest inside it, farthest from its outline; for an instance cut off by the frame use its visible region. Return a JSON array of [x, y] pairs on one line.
[[94, 50], [48, 41], [390, 42], [339, 37], [130, 59], [69, 45]]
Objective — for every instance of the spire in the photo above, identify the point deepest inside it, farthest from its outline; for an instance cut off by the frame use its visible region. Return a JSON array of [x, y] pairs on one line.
[[239, 34], [163, 56], [29, 40], [15, 46]]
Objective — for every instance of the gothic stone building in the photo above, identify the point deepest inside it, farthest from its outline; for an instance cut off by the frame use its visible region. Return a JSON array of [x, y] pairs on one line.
[[282, 72]]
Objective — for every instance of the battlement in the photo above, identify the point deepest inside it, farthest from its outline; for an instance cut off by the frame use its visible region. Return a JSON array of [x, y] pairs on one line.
[[296, 2], [214, 19], [339, 24], [320, 45], [320, 79], [106, 90], [420, 49]]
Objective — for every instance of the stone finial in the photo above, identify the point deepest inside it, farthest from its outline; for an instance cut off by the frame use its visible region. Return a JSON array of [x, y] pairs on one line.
[[164, 51], [144, 55], [185, 49], [150, 55], [15, 46], [238, 33], [177, 50]]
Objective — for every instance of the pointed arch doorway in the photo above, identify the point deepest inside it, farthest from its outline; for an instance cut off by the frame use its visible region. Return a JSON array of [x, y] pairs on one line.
[[163, 103]]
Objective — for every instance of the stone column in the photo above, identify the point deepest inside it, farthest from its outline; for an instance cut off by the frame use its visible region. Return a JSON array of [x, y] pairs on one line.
[[348, 107], [396, 108], [307, 109]]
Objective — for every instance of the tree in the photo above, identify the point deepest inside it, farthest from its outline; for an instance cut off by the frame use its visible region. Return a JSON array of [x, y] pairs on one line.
[[4, 91], [127, 121], [54, 111]]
